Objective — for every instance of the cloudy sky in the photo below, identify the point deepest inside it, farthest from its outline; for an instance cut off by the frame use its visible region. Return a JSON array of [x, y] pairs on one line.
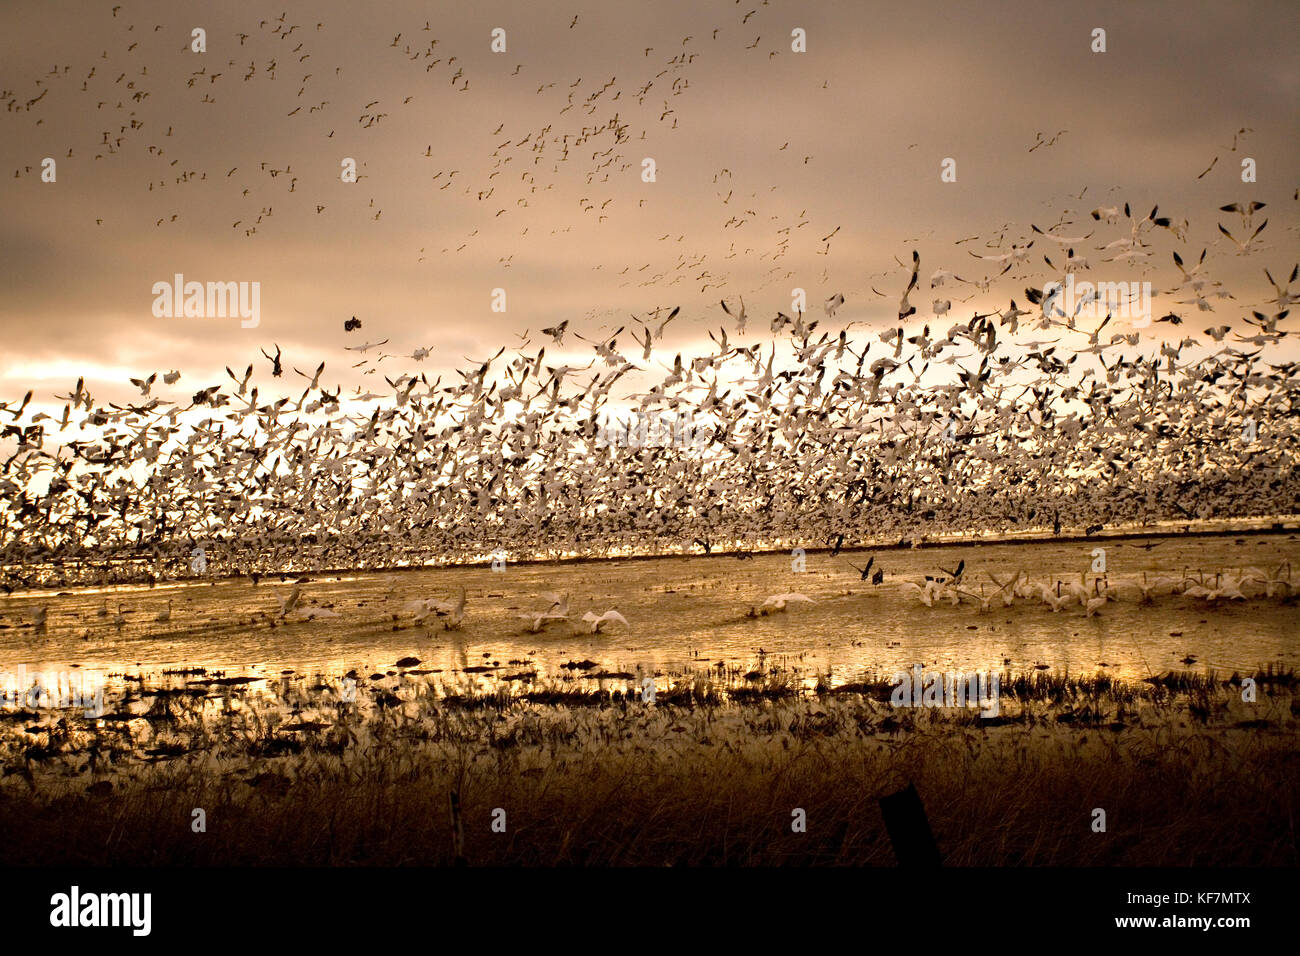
[[522, 170]]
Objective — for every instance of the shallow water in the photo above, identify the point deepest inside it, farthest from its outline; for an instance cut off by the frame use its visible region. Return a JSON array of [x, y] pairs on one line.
[[685, 614]]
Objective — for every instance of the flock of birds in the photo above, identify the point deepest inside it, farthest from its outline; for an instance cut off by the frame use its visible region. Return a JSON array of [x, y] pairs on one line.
[[581, 138], [1058, 594], [807, 431], [811, 436], [582, 135], [952, 588], [555, 611]]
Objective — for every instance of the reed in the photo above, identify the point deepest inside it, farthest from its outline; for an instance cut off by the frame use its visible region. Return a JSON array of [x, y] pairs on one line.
[[695, 779]]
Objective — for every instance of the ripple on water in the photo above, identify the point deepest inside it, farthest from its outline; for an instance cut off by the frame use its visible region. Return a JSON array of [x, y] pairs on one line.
[[684, 613]]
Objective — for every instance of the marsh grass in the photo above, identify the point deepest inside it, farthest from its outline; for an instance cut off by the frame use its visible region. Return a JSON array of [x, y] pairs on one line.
[[1187, 773]]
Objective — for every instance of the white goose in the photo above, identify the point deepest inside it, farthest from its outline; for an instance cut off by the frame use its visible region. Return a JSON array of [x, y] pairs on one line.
[[596, 621]]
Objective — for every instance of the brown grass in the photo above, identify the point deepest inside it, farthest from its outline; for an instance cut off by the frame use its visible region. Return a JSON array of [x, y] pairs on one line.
[[1195, 779]]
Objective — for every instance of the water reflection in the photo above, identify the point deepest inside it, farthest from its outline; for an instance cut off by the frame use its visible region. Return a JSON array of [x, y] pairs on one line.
[[686, 615]]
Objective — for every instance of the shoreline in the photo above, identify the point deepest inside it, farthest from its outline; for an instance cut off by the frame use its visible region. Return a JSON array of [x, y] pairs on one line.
[[1284, 525]]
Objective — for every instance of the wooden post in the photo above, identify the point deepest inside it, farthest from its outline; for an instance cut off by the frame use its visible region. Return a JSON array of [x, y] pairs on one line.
[[457, 832], [909, 830]]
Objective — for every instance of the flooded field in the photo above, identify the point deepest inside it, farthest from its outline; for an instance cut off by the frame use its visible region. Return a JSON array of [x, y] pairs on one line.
[[322, 728], [684, 615]]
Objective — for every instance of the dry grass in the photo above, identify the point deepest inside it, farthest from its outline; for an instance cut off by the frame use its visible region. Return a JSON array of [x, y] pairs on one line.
[[1187, 774]]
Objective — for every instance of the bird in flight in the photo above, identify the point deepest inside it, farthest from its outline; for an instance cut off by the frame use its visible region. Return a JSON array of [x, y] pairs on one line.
[[865, 572], [905, 308]]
